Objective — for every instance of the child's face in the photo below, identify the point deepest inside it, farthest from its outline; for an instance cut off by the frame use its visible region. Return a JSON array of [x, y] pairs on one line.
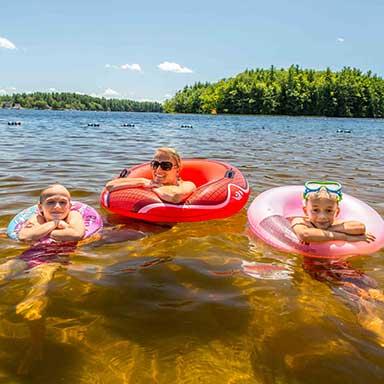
[[321, 211], [55, 206]]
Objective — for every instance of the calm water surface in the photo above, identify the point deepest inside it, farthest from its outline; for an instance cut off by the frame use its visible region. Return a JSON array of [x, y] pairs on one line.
[[153, 304]]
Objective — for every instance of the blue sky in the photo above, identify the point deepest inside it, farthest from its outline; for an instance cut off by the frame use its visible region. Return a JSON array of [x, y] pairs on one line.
[[148, 50]]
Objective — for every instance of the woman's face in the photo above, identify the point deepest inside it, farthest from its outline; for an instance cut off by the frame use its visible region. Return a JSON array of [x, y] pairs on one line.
[[162, 176]]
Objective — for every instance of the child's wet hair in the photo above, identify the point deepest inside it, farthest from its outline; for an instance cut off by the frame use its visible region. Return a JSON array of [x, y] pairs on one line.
[[45, 193], [322, 194]]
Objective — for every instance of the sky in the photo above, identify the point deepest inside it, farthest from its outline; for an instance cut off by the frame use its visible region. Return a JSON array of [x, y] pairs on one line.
[[148, 50]]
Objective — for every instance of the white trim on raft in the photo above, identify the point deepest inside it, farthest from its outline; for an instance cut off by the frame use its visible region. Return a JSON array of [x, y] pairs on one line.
[[149, 207], [105, 198]]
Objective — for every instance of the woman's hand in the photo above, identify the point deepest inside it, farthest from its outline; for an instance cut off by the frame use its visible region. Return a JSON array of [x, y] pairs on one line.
[[152, 184], [134, 182]]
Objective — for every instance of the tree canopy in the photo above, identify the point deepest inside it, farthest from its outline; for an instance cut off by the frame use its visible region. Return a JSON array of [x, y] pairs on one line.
[[66, 100], [292, 91]]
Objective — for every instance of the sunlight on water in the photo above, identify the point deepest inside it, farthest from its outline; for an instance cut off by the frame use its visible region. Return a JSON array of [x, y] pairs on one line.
[[195, 302]]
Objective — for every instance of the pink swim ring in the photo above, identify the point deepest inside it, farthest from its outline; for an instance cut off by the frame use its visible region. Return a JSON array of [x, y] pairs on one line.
[[269, 214]]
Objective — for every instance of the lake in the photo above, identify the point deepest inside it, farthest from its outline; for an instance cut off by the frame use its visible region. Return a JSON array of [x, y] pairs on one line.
[[172, 304]]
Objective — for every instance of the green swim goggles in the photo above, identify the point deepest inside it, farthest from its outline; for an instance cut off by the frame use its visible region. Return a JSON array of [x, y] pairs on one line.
[[330, 186]]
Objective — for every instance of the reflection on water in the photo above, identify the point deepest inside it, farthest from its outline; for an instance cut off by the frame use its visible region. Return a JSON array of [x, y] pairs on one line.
[[194, 302]]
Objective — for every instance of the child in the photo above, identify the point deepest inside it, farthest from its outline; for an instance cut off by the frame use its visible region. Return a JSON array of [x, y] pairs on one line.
[[55, 220], [321, 207]]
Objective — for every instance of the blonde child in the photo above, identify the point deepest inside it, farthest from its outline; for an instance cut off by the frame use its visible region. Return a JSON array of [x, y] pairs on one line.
[[56, 221], [321, 207]]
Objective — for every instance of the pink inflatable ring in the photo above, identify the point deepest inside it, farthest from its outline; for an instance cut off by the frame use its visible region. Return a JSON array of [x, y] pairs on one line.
[[269, 214]]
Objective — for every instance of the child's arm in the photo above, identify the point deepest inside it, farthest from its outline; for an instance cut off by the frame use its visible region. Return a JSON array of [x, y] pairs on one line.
[[175, 193], [354, 229], [308, 234], [133, 182], [349, 227], [33, 230], [71, 230], [316, 235]]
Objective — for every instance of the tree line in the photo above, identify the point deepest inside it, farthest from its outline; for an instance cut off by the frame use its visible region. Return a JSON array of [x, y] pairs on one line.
[[66, 100], [292, 91]]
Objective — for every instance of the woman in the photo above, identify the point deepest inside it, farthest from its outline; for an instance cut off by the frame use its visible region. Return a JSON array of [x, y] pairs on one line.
[[166, 182]]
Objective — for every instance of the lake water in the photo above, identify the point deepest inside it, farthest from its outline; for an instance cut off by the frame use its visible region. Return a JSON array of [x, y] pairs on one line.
[[153, 304]]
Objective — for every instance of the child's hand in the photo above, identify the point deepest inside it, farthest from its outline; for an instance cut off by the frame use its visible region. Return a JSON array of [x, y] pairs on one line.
[[62, 224], [367, 237], [370, 237]]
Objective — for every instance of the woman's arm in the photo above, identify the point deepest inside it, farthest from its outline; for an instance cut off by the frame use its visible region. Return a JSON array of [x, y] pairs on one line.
[[73, 229], [175, 193], [133, 182]]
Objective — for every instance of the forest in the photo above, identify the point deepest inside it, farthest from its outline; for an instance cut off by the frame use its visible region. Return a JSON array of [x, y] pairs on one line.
[[68, 101], [293, 91]]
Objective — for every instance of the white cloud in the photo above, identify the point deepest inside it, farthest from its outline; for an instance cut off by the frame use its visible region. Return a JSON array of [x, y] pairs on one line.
[[109, 92], [5, 43], [7, 90], [132, 67], [340, 40], [173, 67], [52, 89]]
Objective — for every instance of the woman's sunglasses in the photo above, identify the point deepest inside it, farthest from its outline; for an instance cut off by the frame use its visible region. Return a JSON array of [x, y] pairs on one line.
[[164, 165], [330, 186]]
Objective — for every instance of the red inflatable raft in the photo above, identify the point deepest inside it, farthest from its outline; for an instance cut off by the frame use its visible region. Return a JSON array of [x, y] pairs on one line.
[[222, 190]]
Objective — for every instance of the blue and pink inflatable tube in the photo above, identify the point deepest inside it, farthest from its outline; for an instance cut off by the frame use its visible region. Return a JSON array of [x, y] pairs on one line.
[[92, 220]]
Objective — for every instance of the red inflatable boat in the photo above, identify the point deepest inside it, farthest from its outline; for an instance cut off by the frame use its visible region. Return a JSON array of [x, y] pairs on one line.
[[222, 190]]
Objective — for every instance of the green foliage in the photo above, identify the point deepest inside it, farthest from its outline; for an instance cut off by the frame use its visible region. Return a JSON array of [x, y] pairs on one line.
[[292, 91], [59, 101]]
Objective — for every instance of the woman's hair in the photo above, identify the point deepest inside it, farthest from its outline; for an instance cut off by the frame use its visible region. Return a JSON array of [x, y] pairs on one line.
[[172, 153]]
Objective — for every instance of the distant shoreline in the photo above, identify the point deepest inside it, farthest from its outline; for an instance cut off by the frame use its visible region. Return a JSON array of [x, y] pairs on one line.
[[200, 114], [73, 101]]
